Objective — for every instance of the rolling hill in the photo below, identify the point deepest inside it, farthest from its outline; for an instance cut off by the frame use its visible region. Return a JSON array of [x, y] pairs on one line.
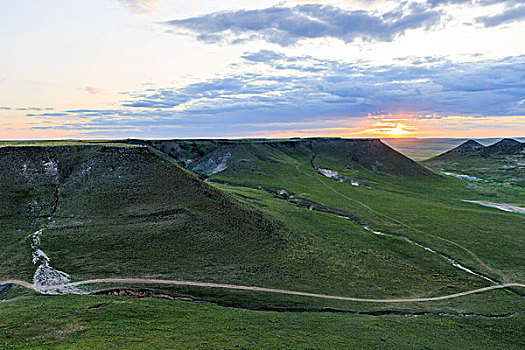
[[468, 148], [119, 210], [337, 217]]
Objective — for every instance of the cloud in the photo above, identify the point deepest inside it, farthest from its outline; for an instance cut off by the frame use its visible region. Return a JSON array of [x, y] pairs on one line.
[[392, 127], [93, 90], [263, 56], [510, 14], [306, 86], [140, 6], [496, 2], [280, 92], [436, 3], [287, 25], [27, 108], [59, 114]]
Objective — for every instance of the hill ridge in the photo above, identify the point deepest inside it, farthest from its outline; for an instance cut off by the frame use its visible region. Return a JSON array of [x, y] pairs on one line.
[[209, 157]]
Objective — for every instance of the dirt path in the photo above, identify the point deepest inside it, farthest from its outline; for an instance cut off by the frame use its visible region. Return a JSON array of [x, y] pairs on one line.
[[257, 289]]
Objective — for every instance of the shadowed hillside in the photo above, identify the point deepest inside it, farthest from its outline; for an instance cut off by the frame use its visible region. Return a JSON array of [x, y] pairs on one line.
[[469, 147], [122, 211], [213, 156], [504, 147]]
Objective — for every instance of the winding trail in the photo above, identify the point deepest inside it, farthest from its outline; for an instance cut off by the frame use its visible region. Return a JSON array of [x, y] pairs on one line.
[[256, 289]]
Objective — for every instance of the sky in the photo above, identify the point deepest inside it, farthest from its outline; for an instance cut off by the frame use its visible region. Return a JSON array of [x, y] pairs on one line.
[[108, 69]]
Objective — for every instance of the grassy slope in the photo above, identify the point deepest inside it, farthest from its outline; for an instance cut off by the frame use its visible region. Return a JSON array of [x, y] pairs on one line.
[[506, 173], [126, 212], [431, 207], [344, 258], [133, 213]]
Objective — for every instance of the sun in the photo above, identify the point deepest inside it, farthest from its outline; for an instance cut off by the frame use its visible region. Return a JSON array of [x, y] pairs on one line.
[[398, 130], [391, 128]]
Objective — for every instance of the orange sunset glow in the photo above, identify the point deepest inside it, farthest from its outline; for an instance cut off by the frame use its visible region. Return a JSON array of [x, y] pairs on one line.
[[392, 128]]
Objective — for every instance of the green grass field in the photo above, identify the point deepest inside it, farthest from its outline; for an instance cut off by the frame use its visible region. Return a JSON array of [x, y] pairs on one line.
[[65, 322], [267, 218]]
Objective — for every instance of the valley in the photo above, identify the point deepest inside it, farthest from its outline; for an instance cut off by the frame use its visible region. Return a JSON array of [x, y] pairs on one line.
[[347, 226]]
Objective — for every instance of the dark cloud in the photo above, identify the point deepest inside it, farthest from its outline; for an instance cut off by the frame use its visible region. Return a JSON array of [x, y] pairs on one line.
[[27, 108], [494, 2], [431, 85], [303, 90], [263, 56], [435, 3], [287, 25], [510, 14]]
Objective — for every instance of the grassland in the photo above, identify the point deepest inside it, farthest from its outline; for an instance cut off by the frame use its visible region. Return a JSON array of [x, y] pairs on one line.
[[504, 172], [429, 210], [75, 322], [269, 219]]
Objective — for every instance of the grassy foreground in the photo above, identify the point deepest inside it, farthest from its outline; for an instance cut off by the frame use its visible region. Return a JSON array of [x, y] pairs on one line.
[[72, 322]]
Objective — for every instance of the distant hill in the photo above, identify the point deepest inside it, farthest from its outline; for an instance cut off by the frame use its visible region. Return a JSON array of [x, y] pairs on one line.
[[473, 148], [371, 154], [467, 148], [504, 147], [213, 156]]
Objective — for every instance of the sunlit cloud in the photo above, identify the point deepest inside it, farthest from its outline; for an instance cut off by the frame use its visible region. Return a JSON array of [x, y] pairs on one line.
[[304, 94], [94, 90], [140, 6]]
